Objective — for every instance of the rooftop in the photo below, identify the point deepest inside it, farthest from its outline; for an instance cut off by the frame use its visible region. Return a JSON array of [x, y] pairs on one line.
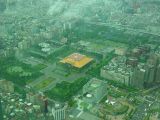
[[77, 60]]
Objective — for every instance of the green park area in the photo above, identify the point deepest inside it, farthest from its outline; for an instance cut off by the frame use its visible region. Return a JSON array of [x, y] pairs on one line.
[[97, 45], [115, 44], [64, 91], [40, 66], [116, 109], [59, 53], [95, 69], [44, 83], [18, 72]]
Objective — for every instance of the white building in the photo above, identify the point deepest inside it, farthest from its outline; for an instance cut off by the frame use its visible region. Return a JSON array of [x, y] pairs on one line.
[[59, 112], [94, 90]]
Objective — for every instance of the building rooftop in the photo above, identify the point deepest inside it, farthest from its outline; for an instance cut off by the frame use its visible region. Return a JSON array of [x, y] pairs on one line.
[[77, 60], [87, 116]]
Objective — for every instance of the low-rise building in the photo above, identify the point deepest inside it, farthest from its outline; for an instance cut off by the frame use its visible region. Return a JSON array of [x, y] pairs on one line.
[[37, 99], [94, 90], [77, 60], [6, 85]]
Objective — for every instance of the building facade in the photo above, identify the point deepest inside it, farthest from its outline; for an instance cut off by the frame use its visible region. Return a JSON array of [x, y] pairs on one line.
[[6, 85], [94, 90], [59, 113]]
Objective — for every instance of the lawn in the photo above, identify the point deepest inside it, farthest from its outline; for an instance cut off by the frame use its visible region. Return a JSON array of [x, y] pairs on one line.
[[101, 45], [40, 66], [17, 72], [116, 109], [65, 90], [115, 44], [44, 83]]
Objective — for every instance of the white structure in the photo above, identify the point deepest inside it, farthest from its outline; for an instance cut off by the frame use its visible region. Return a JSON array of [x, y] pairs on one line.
[[59, 113], [95, 90]]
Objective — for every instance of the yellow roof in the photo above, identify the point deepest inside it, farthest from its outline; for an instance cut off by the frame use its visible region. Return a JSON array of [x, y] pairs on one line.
[[77, 60]]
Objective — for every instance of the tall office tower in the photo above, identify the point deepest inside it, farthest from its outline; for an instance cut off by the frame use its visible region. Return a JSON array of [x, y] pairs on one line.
[[150, 73], [157, 79], [151, 68], [138, 77], [1, 112]]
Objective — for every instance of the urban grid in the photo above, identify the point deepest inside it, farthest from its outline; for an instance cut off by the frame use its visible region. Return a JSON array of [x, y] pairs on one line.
[[79, 59]]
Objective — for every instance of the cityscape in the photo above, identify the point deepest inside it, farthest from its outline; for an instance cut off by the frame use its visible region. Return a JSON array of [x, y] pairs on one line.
[[79, 60]]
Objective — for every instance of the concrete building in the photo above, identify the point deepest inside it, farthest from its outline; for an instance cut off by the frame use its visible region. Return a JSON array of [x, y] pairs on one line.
[[2, 5], [1, 112], [47, 106], [37, 99], [77, 60], [147, 74], [158, 74], [138, 77], [153, 60], [94, 90], [150, 73], [152, 69], [116, 76], [6, 85], [132, 61], [117, 70], [16, 108], [120, 51], [59, 112]]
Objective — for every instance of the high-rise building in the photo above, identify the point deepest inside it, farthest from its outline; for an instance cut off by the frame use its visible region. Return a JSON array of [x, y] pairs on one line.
[[152, 69], [158, 74], [138, 77], [1, 112], [38, 99], [150, 73]]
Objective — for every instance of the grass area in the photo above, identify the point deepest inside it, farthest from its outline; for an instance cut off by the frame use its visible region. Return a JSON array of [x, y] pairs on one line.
[[121, 86], [44, 83], [65, 90], [101, 44], [115, 44], [116, 93], [84, 105], [59, 53], [95, 70], [16, 71], [116, 109], [40, 66]]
